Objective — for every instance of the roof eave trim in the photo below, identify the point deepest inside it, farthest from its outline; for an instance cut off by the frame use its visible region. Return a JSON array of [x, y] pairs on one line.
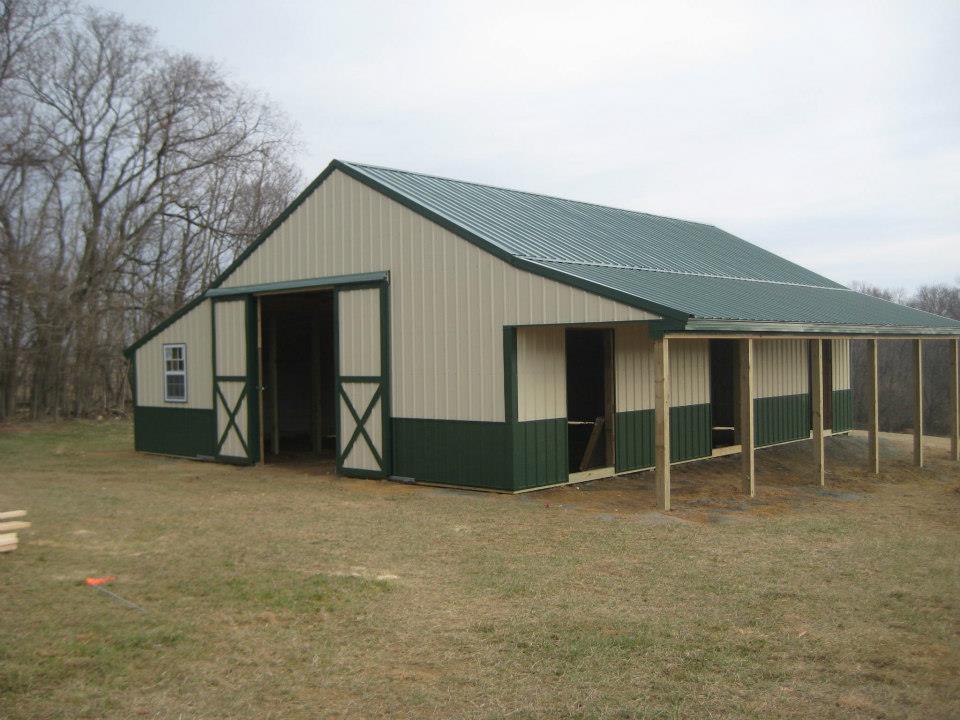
[[741, 326]]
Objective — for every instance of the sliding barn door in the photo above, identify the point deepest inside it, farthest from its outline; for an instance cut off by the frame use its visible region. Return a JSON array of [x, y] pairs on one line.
[[234, 395], [362, 382]]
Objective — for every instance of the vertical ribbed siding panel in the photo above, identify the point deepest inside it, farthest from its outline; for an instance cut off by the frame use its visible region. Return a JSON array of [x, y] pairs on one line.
[[359, 332], [689, 372], [449, 299], [634, 439], [634, 368], [690, 432], [539, 453], [231, 337], [541, 373], [782, 402], [193, 330], [781, 368], [841, 364]]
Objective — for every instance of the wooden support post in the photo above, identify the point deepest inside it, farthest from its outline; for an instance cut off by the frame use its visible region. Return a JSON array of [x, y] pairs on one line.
[[873, 409], [274, 395], [816, 393], [316, 416], [954, 399], [746, 429], [661, 353], [918, 402]]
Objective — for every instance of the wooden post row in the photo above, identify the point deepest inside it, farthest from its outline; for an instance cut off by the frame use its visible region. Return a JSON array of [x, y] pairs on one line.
[[747, 439], [873, 419], [955, 399], [816, 372], [918, 403], [661, 352]]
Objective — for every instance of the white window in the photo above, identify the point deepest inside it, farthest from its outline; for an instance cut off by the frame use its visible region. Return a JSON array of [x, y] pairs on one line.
[[175, 373]]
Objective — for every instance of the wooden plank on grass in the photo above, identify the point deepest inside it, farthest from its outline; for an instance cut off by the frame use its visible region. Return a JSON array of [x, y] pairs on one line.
[[7, 527], [11, 514], [8, 542]]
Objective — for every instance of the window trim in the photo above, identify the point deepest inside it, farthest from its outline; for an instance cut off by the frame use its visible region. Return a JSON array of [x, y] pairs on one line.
[[180, 373]]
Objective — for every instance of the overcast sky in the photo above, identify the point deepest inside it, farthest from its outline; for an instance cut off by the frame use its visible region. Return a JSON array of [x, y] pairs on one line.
[[828, 133]]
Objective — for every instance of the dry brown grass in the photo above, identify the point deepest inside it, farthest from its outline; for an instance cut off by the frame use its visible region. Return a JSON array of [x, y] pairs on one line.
[[282, 593]]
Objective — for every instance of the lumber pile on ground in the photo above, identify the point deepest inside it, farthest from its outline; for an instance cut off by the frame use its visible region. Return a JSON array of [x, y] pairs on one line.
[[8, 529]]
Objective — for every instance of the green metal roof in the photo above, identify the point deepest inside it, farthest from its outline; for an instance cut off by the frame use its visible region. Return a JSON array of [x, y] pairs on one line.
[[681, 269]]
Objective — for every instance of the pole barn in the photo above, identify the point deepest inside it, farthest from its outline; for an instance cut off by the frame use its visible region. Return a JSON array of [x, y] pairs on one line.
[[446, 332]]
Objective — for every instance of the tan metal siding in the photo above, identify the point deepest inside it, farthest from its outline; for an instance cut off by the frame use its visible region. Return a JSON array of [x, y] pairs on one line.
[[359, 332], [780, 368], [841, 364], [633, 353], [193, 330], [449, 299], [231, 337], [541, 373], [689, 372]]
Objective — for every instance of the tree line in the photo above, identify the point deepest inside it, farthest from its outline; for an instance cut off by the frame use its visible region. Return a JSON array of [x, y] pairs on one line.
[[129, 177], [895, 365]]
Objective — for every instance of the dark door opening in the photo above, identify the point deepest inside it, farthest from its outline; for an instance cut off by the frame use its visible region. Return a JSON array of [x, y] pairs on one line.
[[725, 392], [298, 376], [590, 402]]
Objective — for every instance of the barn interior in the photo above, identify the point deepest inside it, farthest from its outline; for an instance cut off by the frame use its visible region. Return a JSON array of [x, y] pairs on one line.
[[725, 393], [590, 402], [298, 376]]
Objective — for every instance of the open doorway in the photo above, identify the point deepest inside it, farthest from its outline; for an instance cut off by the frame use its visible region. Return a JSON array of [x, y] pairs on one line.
[[298, 376], [590, 401], [725, 392]]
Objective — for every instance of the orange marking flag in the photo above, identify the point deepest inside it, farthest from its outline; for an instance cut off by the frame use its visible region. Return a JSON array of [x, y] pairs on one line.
[[101, 581]]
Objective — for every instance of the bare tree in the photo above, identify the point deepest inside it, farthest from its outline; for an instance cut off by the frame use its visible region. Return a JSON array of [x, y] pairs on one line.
[[134, 175]]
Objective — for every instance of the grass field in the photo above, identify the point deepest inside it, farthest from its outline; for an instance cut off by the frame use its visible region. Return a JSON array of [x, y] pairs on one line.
[[284, 593]]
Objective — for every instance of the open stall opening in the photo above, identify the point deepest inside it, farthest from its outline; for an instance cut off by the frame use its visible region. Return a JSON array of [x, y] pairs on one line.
[[590, 404], [298, 376], [725, 392]]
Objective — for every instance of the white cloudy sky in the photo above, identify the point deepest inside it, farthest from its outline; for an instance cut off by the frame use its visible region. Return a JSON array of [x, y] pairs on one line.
[[826, 132]]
